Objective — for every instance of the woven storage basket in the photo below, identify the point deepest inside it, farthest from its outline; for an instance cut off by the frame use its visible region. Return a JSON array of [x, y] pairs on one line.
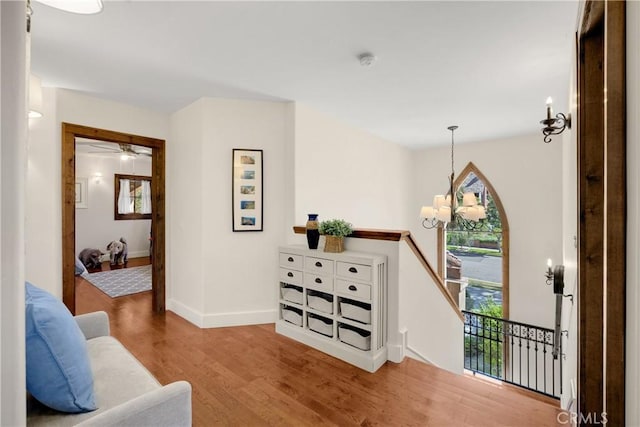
[[334, 244]]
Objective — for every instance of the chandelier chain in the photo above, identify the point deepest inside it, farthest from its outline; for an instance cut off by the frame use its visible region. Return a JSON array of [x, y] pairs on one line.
[[452, 169]]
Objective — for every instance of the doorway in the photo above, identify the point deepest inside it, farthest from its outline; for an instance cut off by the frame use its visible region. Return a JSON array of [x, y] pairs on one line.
[[69, 134], [601, 145]]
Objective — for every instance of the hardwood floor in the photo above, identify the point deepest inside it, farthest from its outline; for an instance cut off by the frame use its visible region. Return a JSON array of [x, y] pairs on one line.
[[251, 376]]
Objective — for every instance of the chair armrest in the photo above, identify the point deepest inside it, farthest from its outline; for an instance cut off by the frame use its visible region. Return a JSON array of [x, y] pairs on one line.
[[167, 406], [94, 324]]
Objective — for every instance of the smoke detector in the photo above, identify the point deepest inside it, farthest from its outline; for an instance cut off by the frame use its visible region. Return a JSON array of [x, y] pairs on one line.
[[367, 59]]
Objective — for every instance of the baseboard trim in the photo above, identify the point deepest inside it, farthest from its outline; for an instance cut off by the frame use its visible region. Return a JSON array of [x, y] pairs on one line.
[[395, 352], [240, 318], [415, 354], [221, 320], [185, 312], [137, 254]]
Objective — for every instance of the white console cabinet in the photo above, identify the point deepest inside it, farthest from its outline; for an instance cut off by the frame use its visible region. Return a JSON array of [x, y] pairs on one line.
[[336, 303]]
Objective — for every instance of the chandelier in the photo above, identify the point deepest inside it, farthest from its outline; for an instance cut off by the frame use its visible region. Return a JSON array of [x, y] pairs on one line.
[[466, 214]]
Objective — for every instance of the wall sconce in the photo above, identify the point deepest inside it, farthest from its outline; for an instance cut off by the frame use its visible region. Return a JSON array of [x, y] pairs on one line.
[[555, 277], [549, 273], [97, 177], [554, 125]]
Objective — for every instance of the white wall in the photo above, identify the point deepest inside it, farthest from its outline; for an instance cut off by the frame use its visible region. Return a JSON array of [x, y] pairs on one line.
[[344, 172], [13, 141], [95, 225], [633, 212], [184, 190], [434, 332], [225, 278], [569, 142], [43, 220], [43, 204], [526, 173]]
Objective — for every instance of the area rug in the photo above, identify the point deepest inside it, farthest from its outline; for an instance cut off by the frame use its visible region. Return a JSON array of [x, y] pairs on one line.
[[123, 281]]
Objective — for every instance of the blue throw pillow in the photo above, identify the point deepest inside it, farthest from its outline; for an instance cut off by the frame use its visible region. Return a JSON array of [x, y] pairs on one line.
[[58, 370]]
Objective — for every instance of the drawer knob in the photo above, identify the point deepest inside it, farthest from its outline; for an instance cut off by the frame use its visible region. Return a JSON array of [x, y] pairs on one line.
[[353, 288], [353, 270], [318, 264], [318, 280], [290, 274], [290, 259]]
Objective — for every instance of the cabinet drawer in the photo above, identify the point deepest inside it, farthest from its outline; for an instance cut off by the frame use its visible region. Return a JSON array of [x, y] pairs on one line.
[[353, 271], [318, 265], [317, 281], [291, 260], [359, 290], [293, 277]]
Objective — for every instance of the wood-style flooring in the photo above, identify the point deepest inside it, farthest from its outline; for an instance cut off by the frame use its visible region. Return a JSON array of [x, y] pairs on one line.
[[251, 376]]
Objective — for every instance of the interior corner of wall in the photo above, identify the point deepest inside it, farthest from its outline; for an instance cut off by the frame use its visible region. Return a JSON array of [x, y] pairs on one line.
[[193, 316]]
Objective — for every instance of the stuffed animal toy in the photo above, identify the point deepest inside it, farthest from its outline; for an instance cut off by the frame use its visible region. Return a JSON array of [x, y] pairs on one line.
[[90, 258], [118, 252]]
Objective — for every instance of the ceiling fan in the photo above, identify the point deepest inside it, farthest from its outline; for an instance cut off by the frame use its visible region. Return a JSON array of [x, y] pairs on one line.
[[122, 148]]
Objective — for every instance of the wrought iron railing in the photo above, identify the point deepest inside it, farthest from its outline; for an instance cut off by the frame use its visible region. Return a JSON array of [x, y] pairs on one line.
[[513, 352]]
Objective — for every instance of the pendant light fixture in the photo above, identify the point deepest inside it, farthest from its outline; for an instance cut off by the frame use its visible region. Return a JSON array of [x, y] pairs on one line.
[[447, 209]]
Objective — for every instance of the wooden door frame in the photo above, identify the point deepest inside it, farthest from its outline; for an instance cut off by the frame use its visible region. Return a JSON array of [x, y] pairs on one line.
[[601, 171], [69, 134]]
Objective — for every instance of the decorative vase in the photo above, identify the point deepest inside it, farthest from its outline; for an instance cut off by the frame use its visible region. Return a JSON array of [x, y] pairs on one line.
[[334, 244], [313, 235]]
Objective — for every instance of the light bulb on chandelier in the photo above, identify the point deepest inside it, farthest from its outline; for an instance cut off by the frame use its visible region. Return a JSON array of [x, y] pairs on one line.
[[468, 214]]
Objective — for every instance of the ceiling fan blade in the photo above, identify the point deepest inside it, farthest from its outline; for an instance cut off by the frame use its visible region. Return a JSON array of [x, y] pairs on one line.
[[141, 153], [102, 147]]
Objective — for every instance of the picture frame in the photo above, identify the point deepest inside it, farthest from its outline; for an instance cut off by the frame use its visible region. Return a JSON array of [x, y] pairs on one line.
[[247, 190], [82, 193]]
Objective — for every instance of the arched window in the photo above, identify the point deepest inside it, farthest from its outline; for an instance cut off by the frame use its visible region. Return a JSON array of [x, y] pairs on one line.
[[475, 264]]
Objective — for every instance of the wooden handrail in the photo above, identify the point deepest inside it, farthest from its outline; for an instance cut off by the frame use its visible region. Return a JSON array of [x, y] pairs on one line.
[[396, 236], [367, 233]]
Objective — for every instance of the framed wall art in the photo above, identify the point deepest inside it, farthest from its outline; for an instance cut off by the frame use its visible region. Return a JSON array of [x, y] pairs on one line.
[[246, 192], [82, 190]]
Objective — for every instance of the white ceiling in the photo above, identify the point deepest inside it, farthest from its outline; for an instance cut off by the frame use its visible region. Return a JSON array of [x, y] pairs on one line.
[[486, 66]]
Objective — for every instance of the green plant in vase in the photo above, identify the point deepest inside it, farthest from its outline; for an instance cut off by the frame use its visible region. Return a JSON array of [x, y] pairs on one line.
[[335, 230]]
